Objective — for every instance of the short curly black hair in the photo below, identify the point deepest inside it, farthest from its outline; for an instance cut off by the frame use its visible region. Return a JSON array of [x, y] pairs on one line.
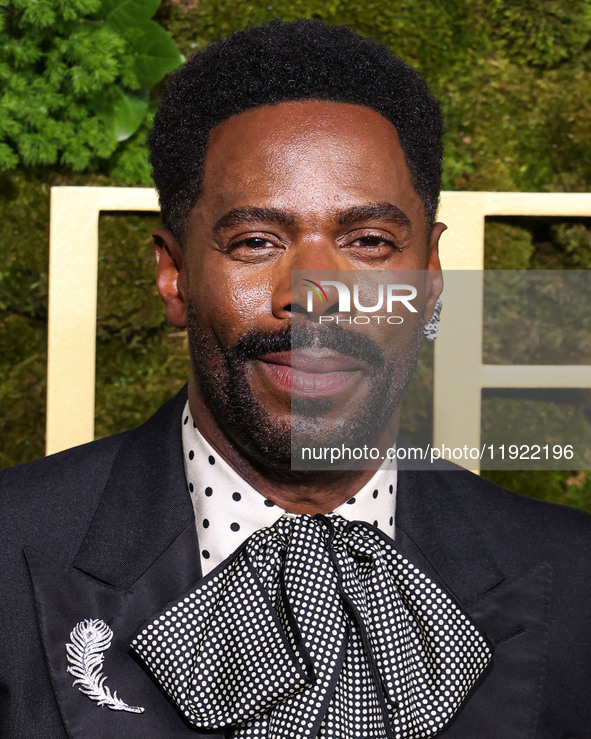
[[279, 62]]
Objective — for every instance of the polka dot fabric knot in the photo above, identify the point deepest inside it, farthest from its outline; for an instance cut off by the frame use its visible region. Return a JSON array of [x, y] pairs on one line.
[[316, 627]]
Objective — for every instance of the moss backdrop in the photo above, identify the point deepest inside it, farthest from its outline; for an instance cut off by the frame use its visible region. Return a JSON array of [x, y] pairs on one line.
[[513, 79]]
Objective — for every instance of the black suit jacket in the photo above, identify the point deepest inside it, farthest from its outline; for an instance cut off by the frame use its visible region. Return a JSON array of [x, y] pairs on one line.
[[107, 531]]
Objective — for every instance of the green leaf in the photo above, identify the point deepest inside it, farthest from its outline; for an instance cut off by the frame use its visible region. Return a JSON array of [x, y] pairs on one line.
[[123, 15], [155, 53], [128, 113], [121, 111]]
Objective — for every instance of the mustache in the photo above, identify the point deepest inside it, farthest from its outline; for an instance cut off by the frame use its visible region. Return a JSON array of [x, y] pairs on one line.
[[256, 343]]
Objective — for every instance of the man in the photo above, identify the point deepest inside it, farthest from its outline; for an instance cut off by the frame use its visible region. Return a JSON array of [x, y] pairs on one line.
[[354, 604]]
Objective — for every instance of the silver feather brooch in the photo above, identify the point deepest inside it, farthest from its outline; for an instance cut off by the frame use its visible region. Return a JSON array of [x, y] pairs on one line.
[[88, 640]]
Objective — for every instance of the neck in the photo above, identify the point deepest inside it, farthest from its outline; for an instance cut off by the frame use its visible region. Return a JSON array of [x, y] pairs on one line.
[[304, 492]]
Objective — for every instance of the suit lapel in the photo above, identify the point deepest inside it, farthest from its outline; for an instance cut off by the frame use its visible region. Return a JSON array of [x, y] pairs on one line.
[[145, 504], [436, 533], [66, 597], [140, 552]]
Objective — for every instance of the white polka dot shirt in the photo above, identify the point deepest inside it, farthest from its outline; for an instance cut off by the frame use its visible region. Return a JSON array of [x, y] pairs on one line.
[[228, 510]]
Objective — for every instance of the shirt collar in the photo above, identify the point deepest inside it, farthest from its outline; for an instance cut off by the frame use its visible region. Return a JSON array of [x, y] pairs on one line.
[[228, 510]]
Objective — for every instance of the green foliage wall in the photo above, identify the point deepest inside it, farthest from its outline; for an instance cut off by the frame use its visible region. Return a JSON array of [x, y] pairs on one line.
[[76, 76], [513, 79]]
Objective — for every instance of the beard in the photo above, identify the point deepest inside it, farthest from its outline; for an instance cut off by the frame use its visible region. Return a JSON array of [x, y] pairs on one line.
[[271, 441]]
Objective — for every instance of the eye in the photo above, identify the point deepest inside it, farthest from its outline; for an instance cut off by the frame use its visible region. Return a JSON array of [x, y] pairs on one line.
[[253, 248], [253, 242], [375, 241], [371, 245]]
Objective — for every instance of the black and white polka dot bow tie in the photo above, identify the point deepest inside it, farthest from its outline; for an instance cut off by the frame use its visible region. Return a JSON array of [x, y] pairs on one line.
[[316, 627]]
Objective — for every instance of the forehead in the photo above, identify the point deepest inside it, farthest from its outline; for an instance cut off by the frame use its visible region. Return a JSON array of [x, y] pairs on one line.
[[299, 119], [306, 154]]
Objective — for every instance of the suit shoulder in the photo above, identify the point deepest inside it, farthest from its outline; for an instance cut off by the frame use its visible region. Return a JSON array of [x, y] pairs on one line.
[[481, 494], [59, 471], [61, 490], [517, 525]]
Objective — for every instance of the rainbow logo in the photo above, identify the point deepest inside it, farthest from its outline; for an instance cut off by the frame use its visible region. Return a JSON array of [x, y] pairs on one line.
[[316, 288]]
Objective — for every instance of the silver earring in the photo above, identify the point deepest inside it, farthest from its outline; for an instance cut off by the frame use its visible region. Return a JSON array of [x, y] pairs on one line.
[[432, 326]]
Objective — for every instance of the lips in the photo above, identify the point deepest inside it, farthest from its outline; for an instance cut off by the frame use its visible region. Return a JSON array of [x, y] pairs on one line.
[[311, 373]]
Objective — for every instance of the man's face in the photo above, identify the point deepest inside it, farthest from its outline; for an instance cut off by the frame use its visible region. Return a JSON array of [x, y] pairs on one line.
[[297, 186]]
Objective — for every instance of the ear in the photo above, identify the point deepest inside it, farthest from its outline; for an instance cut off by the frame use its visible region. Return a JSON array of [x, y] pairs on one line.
[[170, 276], [435, 282]]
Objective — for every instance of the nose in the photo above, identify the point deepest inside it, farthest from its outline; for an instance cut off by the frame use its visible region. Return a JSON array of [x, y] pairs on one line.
[[297, 286]]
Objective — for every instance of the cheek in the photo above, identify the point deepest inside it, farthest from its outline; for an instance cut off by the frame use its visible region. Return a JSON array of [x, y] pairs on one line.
[[250, 295], [231, 302]]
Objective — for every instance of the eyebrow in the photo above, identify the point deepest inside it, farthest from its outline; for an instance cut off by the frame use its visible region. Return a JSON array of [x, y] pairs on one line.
[[373, 212], [251, 214], [279, 217]]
